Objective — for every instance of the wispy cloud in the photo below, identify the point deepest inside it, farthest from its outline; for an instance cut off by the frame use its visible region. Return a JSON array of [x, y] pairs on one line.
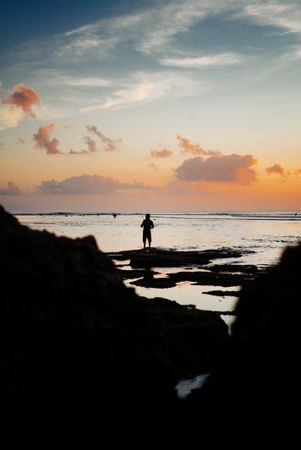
[[149, 30], [89, 82], [149, 86], [84, 46], [285, 15], [198, 62]]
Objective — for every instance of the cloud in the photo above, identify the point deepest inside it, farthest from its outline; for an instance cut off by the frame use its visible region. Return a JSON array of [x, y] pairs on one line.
[[145, 87], [86, 44], [23, 97], [21, 141], [164, 153], [10, 116], [153, 166], [228, 168], [150, 29], [91, 144], [276, 169], [220, 59], [11, 189], [87, 82], [108, 143], [194, 149], [285, 15], [87, 185], [44, 141], [78, 152], [17, 106]]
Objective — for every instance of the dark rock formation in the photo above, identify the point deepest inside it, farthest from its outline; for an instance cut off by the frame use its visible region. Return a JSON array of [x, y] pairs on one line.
[[253, 399], [197, 264], [83, 354], [158, 257]]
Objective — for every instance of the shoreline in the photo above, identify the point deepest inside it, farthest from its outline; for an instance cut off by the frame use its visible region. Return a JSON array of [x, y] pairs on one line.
[[163, 269]]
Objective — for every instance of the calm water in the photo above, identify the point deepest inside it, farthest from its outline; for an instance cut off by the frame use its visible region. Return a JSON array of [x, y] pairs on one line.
[[265, 234]]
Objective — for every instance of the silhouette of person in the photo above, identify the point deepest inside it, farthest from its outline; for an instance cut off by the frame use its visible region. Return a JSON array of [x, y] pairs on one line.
[[147, 225]]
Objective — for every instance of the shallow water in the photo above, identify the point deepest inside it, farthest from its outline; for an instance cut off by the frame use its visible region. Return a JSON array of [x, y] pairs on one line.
[[264, 234]]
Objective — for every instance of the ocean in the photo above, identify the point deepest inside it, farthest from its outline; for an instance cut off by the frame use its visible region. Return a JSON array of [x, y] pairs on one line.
[[264, 234]]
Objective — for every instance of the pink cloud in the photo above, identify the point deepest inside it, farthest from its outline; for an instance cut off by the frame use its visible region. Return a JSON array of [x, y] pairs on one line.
[[228, 168], [164, 153], [108, 143], [23, 97], [44, 141], [91, 144], [276, 169], [194, 149], [88, 185]]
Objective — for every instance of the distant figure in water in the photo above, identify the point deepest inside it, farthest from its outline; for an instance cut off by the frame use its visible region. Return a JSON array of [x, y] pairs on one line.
[[114, 215], [147, 225]]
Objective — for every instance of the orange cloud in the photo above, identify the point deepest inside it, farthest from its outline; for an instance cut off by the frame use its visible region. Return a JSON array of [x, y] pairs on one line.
[[194, 149], [43, 140], [228, 168], [23, 97], [277, 169], [164, 153]]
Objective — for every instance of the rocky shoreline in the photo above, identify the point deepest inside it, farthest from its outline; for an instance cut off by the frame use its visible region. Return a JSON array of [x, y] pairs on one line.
[[83, 356], [196, 267], [82, 349]]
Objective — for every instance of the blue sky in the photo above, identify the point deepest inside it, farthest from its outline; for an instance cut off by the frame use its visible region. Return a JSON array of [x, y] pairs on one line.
[[223, 74]]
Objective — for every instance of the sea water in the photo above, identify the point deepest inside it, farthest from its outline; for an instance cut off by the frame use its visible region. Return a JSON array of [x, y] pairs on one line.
[[264, 235]]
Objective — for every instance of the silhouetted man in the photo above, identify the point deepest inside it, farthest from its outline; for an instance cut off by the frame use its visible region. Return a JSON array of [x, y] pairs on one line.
[[147, 225]]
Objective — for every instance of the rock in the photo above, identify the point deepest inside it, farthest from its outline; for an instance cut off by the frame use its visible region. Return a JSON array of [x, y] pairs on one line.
[[82, 353], [220, 293], [254, 396], [172, 258]]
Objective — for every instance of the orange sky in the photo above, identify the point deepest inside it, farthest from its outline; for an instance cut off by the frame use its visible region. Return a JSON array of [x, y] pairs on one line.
[[164, 106]]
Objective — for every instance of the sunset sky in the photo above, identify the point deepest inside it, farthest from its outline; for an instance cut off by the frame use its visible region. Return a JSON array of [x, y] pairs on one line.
[[150, 105]]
